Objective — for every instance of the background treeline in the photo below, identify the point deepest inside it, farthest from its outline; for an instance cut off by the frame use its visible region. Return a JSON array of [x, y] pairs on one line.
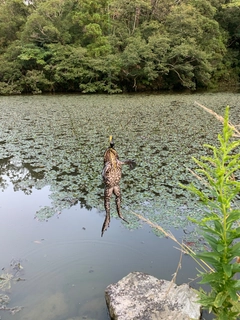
[[118, 45]]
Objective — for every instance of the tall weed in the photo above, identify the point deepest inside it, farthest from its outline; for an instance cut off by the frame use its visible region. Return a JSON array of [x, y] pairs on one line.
[[220, 225]]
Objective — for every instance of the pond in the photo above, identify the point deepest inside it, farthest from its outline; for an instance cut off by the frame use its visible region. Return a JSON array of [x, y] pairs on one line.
[[51, 211]]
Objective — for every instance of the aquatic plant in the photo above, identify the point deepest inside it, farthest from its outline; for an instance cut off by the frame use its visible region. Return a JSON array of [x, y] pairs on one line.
[[6, 279], [219, 261], [59, 141]]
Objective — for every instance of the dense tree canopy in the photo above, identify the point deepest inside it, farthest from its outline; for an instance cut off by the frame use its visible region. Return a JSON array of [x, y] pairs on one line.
[[116, 45]]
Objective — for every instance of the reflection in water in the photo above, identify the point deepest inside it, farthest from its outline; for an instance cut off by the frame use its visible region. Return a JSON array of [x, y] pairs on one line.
[[66, 264], [112, 173], [40, 156], [38, 142], [38, 148], [18, 174]]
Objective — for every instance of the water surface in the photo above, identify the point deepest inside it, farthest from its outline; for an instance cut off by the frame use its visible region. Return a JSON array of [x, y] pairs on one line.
[[51, 207], [67, 265]]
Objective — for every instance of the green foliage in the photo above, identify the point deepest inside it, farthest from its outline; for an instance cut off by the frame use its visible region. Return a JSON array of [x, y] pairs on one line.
[[228, 18], [13, 14], [220, 226], [197, 45], [65, 66], [151, 44]]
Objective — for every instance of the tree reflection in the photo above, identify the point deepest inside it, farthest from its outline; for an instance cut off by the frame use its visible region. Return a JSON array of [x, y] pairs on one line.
[[21, 175], [41, 146]]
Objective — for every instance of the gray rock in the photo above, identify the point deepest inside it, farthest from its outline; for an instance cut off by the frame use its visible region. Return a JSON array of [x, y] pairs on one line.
[[139, 296]]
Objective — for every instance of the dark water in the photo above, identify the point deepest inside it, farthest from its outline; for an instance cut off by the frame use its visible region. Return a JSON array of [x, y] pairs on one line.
[[51, 205]]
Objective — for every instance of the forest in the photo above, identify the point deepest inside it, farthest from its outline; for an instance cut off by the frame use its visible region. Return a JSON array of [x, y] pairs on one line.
[[113, 46]]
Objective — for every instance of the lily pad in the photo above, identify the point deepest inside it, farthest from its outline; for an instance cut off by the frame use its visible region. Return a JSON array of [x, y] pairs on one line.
[[59, 141]]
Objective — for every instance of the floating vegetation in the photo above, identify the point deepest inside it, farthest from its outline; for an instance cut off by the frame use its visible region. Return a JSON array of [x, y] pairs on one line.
[[6, 279], [59, 141]]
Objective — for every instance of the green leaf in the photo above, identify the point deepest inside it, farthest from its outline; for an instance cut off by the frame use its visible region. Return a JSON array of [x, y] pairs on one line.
[[206, 299], [220, 298], [238, 232], [210, 230], [235, 267], [233, 293], [233, 216], [228, 269], [237, 285], [214, 243], [220, 247], [210, 257], [235, 250], [210, 278], [218, 226]]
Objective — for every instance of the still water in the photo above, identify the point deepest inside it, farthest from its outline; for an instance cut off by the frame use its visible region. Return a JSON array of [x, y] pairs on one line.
[[51, 204], [67, 265]]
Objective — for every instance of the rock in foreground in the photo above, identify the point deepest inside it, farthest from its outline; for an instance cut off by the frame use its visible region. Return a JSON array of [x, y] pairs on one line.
[[140, 296]]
